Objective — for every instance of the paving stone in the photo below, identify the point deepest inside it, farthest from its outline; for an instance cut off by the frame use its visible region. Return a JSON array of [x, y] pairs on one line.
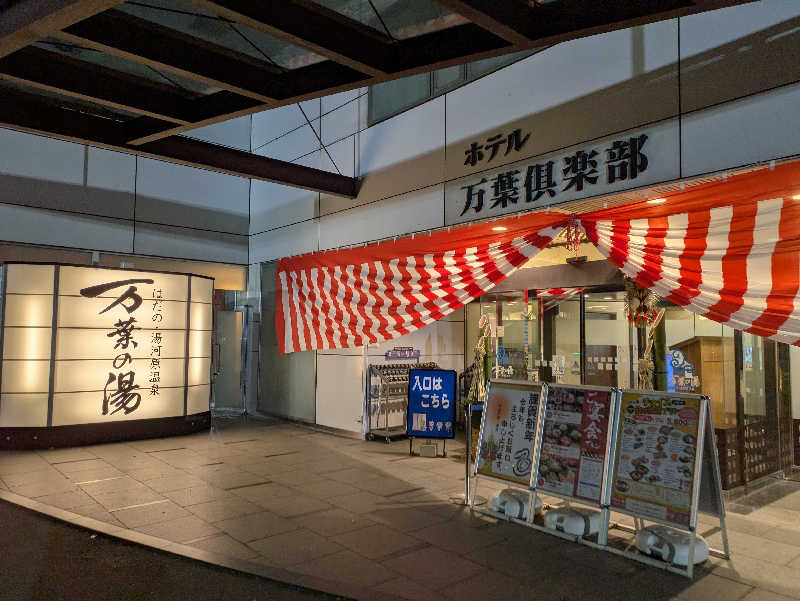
[[377, 541], [347, 566], [433, 567], [126, 498], [180, 530], [711, 587], [255, 526], [293, 506], [223, 509], [263, 492], [291, 548], [197, 494], [67, 500], [160, 511], [173, 482], [333, 522], [325, 489], [225, 545]]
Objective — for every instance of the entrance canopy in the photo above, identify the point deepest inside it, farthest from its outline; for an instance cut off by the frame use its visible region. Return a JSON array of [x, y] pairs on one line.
[[726, 250]]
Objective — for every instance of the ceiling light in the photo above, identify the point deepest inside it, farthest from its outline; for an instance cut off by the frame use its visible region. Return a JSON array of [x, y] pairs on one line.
[[499, 228], [656, 201], [608, 298], [796, 197]]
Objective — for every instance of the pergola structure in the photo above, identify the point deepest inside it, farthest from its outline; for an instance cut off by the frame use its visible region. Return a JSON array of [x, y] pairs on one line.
[[135, 75]]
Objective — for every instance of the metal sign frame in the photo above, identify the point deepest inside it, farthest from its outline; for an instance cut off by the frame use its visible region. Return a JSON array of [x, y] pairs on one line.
[[705, 433]]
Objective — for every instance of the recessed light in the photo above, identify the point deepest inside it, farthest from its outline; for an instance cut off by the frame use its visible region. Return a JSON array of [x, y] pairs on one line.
[[656, 201], [499, 228]]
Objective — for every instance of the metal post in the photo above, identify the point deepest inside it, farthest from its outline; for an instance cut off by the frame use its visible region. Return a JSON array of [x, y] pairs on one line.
[[468, 441], [469, 496]]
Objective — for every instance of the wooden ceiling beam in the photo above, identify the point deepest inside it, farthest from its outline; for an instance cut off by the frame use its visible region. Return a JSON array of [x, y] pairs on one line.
[[54, 72], [27, 21], [313, 27], [139, 40]]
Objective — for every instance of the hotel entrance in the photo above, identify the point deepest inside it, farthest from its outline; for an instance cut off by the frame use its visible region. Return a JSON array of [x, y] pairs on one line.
[[582, 335]]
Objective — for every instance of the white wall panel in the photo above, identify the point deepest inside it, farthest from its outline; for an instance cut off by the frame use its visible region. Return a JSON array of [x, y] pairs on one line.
[[400, 154], [334, 101], [340, 392], [187, 243], [574, 91], [40, 226], [340, 123], [756, 128], [273, 123], [274, 205], [410, 212], [343, 155], [291, 145], [41, 158], [178, 195], [282, 242], [729, 53], [43, 172], [312, 159], [234, 133], [439, 338]]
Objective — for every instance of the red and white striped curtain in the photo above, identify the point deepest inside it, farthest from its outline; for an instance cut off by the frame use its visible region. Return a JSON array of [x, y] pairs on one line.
[[365, 295], [726, 250], [555, 296]]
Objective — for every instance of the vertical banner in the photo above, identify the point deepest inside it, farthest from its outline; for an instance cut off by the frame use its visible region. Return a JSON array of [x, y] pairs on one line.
[[574, 441], [655, 463], [431, 403], [508, 431]]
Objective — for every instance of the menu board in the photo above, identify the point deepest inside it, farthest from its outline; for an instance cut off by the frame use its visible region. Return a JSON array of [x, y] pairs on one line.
[[508, 431], [574, 441], [656, 451]]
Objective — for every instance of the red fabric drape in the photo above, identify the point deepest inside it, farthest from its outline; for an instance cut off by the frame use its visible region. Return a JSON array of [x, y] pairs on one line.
[[727, 250], [347, 298]]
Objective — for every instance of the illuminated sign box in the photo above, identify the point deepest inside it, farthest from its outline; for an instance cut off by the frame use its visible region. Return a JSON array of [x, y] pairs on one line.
[[89, 345]]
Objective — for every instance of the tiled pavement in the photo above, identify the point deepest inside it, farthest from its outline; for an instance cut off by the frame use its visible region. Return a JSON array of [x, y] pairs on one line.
[[324, 509]]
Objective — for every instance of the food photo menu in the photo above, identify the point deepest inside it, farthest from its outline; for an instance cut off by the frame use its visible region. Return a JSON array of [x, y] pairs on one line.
[[656, 452], [574, 442]]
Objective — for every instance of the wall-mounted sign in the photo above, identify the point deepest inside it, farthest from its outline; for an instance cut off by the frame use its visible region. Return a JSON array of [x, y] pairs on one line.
[[431, 403], [85, 344], [654, 468], [508, 431], [574, 441], [402, 352], [628, 160]]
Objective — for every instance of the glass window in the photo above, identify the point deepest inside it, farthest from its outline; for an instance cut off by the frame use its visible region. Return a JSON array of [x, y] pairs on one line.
[[699, 357], [752, 384], [487, 65], [514, 325], [610, 341], [443, 79], [390, 97], [566, 357]]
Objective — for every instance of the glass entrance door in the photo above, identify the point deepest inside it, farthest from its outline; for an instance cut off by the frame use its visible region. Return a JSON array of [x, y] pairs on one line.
[[758, 406], [228, 362]]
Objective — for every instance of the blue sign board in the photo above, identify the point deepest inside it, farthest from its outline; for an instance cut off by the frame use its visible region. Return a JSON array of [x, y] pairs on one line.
[[431, 403]]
